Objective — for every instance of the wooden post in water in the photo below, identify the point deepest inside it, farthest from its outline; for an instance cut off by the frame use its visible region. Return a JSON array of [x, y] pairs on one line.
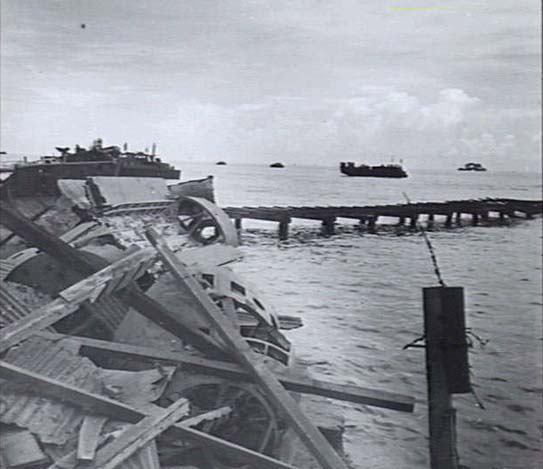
[[459, 218], [448, 220], [447, 369], [237, 224], [474, 219], [328, 226], [401, 221], [430, 223], [283, 228], [413, 221], [372, 221]]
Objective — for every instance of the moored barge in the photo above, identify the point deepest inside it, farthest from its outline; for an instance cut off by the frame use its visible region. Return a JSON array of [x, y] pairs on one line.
[[40, 177], [381, 171]]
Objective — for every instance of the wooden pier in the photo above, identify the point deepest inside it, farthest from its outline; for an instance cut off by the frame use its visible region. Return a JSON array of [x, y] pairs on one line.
[[451, 213]]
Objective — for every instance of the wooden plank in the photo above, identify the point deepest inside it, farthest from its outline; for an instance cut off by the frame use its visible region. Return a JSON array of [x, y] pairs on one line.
[[19, 448], [101, 279], [173, 321], [137, 436], [90, 402], [37, 236], [39, 319], [89, 436], [349, 393], [290, 322], [280, 398], [69, 300], [97, 404]]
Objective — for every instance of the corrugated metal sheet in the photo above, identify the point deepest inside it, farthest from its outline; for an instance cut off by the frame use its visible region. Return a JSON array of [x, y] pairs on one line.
[[5, 268], [17, 301], [145, 458], [11, 310], [51, 420]]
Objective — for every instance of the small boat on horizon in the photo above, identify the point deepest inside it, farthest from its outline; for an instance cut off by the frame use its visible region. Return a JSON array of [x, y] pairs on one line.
[[221, 163], [277, 165], [381, 171], [472, 167]]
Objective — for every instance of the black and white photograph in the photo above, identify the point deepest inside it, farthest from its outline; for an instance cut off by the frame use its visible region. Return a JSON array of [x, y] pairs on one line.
[[271, 234]]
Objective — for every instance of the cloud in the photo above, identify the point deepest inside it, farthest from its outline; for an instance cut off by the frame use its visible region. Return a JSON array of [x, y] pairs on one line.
[[370, 127]]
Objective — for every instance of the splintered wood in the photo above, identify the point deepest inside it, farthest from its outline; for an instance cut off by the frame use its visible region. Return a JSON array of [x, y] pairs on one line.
[[98, 403], [282, 400]]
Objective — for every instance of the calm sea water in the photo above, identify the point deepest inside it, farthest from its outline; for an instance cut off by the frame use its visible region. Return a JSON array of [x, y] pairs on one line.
[[360, 299]]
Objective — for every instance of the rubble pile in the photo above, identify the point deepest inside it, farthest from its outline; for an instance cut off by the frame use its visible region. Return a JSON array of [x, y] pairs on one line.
[[129, 341]]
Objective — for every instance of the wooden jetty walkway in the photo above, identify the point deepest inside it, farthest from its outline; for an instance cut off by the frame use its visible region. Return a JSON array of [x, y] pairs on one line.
[[480, 210]]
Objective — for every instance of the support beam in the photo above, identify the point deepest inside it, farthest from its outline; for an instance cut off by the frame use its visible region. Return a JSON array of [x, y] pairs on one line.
[[259, 371], [430, 221], [448, 220], [370, 397], [474, 219], [97, 404]]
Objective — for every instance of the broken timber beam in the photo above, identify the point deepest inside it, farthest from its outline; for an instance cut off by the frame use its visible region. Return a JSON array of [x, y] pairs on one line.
[[73, 259], [72, 298], [349, 393], [89, 436], [240, 349], [97, 404], [137, 436]]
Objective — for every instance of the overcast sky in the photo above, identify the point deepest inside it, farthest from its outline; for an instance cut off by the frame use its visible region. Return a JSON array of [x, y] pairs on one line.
[[300, 81]]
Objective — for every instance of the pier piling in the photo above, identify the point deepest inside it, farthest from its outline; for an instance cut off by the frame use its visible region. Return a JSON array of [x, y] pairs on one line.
[[283, 229], [447, 369], [328, 226], [238, 225], [458, 218], [372, 221]]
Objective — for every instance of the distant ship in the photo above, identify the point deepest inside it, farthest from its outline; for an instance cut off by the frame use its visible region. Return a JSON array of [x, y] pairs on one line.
[[40, 177], [472, 167], [277, 165], [220, 163], [381, 171]]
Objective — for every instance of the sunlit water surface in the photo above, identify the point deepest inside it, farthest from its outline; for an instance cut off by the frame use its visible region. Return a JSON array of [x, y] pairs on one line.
[[360, 299]]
